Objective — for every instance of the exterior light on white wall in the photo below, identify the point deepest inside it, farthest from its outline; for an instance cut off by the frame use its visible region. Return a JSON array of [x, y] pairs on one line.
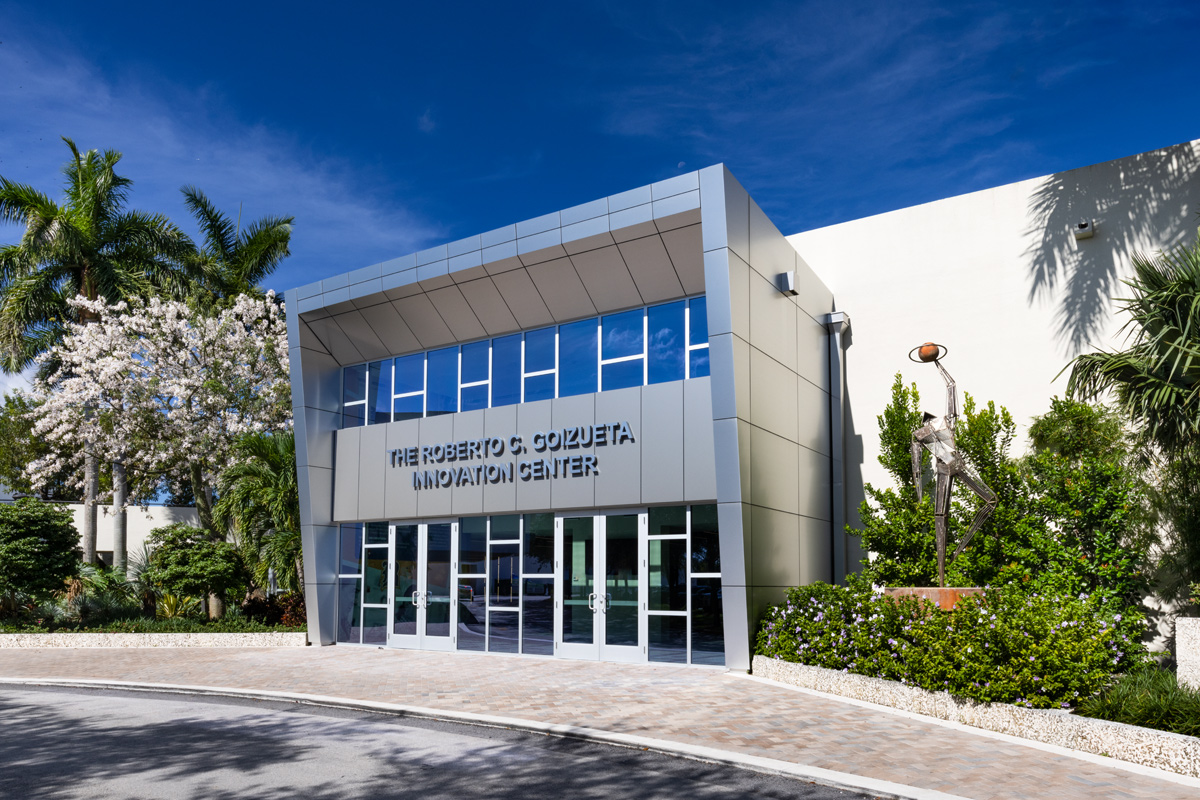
[[1084, 229], [786, 282]]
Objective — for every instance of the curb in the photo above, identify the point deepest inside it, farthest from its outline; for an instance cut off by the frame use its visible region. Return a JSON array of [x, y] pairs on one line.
[[826, 777]]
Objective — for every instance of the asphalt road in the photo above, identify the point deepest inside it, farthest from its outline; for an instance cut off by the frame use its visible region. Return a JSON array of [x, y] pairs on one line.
[[57, 743]]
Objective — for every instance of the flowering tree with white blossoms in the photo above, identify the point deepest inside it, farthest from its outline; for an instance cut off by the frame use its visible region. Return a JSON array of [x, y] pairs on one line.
[[165, 390]]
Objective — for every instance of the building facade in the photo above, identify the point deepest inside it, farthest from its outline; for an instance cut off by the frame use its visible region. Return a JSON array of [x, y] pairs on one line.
[[605, 433]]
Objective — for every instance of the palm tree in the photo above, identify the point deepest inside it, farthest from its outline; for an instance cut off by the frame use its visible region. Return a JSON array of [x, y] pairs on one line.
[[233, 260], [1157, 379], [89, 245], [259, 499]]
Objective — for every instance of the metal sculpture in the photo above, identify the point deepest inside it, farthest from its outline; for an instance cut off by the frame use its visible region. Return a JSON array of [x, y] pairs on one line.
[[936, 435]]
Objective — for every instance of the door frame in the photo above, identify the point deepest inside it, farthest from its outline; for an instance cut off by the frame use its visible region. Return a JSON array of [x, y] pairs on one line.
[[422, 640]]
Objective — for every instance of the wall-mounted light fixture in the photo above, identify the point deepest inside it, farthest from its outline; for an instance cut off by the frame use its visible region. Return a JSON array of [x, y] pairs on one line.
[[1084, 229], [786, 282]]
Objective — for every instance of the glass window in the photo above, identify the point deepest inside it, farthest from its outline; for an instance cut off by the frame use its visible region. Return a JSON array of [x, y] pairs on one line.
[[623, 334], [472, 546], [355, 415], [442, 390], [502, 633], [539, 387], [537, 606], [354, 384], [665, 342], [623, 374], [698, 363], [474, 397], [349, 596], [708, 628], [351, 549], [375, 575], [472, 614], [539, 350], [667, 520], [506, 371], [475, 361], [504, 580], [374, 625], [668, 574], [539, 544], [706, 543], [506, 528], [410, 374], [668, 639], [698, 319], [379, 395], [377, 533], [577, 358], [411, 407]]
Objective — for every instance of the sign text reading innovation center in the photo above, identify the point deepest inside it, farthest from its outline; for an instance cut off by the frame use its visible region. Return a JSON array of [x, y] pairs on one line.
[[552, 465]]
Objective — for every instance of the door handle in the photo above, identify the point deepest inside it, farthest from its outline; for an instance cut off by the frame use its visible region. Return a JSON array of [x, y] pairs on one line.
[[592, 602], [607, 602], [416, 600]]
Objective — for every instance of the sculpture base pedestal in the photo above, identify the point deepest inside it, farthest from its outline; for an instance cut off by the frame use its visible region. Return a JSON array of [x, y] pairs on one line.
[[945, 599]]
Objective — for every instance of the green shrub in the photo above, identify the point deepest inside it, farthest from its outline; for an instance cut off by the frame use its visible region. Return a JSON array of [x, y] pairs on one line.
[[178, 625], [1037, 650], [1150, 698], [39, 551], [186, 561]]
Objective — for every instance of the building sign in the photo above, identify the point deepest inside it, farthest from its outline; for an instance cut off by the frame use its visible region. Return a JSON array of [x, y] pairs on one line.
[[457, 463]]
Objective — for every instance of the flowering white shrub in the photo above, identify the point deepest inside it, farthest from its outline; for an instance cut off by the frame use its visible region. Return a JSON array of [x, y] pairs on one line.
[[163, 388]]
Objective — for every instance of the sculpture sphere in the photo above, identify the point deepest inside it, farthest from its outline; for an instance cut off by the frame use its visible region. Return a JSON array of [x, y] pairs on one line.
[[929, 352]]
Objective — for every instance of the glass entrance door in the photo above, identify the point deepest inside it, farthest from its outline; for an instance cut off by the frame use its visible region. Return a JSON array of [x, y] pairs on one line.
[[602, 586], [421, 614]]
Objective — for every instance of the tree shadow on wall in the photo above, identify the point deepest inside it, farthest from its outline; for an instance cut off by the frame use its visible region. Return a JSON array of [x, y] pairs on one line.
[[1140, 203]]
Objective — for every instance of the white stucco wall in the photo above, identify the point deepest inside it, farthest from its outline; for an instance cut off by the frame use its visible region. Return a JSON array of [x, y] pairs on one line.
[[139, 523], [998, 277]]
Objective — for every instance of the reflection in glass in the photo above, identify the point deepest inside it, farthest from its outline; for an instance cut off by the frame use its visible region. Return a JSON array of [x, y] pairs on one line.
[[698, 363], [474, 397], [537, 604], [623, 374], [377, 533], [351, 549], [507, 527], [349, 598], [577, 358], [472, 613], [472, 546], [622, 334], [621, 579], [667, 520], [665, 344], [475, 361], [539, 545], [354, 384], [668, 639], [441, 394], [506, 371], [503, 586], [503, 629], [539, 350], [578, 580], [410, 374], [539, 387], [706, 543], [374, 625], [668, 574], [404, 611], [412, 407], [437, 579], [708, 629], [698, 321], [353, 416], [375, 576], [379, 392]]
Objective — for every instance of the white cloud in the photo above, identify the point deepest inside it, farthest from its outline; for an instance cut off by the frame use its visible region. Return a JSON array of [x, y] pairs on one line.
[[425, 123], [173, 136]]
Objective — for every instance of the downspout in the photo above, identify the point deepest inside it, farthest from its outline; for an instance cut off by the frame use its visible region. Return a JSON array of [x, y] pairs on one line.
[[838, 325]]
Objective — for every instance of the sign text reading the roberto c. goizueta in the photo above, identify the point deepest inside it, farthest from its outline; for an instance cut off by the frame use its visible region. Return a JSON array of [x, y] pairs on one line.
[[443, 465]]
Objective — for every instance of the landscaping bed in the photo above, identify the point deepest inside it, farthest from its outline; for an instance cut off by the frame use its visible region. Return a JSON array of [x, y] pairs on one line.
[[1137, 745], [193, 639]]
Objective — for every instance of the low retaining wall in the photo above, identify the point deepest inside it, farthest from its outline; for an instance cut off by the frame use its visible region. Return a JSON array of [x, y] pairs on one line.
[[1150, 748], [269, 639], [1187, 651]]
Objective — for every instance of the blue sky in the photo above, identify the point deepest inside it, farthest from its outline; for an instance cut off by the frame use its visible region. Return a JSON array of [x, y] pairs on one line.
[[387, 127]]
